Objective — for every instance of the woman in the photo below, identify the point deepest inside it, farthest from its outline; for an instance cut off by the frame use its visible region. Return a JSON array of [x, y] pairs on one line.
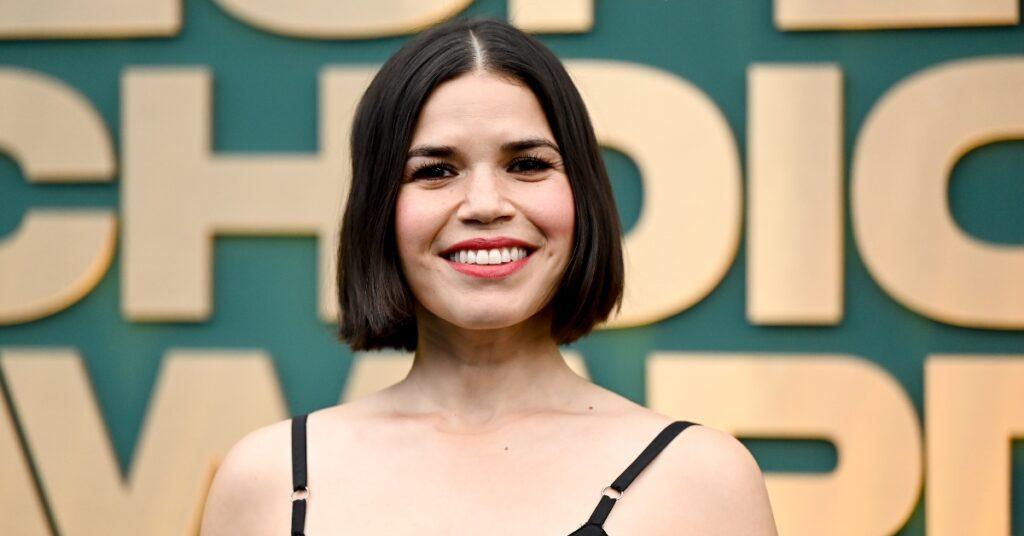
[[481, 232]]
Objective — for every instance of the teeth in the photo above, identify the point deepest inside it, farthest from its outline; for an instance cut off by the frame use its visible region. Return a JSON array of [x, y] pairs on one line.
[[488, 256]]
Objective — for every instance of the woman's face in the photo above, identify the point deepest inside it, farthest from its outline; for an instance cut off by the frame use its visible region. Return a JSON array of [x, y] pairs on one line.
[[484, 219]]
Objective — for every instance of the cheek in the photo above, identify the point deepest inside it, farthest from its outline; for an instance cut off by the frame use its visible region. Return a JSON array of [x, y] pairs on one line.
[[414, 224], [554, 213]]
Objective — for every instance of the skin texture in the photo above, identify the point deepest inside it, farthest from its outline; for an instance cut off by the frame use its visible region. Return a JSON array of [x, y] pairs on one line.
[[491, 431]]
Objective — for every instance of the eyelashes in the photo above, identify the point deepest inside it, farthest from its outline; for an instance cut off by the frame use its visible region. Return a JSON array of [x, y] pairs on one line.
[[438, 169], [431, 170]]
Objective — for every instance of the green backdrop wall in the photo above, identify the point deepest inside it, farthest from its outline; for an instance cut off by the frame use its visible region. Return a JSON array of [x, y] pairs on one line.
[[264, 288]]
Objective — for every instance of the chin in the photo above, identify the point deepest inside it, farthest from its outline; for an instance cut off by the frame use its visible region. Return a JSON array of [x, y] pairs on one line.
[[486, 318]]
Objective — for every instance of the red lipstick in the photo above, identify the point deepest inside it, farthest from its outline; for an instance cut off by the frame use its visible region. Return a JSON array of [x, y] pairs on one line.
[[488, 243], [488, 271]]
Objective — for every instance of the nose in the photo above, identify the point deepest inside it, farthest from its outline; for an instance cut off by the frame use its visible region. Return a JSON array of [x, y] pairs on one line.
[[485, 200]]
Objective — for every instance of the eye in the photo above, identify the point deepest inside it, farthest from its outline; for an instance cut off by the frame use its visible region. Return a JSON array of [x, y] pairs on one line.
[[432, 171], [528, 164]]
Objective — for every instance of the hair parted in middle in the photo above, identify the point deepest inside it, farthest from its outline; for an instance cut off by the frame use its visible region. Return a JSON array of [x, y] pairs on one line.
[[376, 306]]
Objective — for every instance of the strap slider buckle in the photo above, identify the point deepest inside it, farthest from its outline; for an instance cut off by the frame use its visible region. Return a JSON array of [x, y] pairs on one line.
[[612, 493], [300, 494]]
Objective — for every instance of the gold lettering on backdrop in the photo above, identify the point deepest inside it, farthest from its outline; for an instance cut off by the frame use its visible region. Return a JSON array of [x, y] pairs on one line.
[[177, 194], [373, 371], [975, 406], [52, 260], [357, 19], [689, 228], [314, 19], [545, 16], [21, 512], [52, 131], [45, 19], [899, 193], [55, 257], [850, 401], [350, 19], [203, 403], [869, 14], [795, 210]]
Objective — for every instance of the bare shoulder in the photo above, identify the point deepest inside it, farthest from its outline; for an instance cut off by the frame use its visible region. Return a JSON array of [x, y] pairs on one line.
[[720, 479], [250, 492]]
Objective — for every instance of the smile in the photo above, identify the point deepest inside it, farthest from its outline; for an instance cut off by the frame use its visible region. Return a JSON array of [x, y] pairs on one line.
[[496, 271], [488, 257]]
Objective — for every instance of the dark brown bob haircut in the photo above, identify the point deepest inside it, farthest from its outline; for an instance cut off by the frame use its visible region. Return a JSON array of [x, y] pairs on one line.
[[377, 308]]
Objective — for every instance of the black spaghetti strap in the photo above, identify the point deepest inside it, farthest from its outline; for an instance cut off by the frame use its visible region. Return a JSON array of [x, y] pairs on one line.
[[300, 493], [604, 507], [647, 456]]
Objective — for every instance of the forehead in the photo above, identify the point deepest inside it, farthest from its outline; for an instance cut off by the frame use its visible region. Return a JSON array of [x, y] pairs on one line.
[[480, 106]]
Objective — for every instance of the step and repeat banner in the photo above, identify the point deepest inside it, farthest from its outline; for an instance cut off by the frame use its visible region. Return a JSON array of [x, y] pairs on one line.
[[824, 205]]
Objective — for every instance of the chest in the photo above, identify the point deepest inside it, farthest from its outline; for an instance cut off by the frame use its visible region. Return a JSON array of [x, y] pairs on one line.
[[498, 514], [505, 487]]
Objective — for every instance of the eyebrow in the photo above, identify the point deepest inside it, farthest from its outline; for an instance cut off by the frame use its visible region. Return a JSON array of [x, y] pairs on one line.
[[446, 151]]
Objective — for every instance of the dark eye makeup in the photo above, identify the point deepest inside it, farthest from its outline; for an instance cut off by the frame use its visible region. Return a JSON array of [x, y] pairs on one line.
[[438, 169]]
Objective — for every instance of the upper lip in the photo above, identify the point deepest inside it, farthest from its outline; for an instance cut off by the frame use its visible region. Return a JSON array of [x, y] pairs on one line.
[[488, 243]]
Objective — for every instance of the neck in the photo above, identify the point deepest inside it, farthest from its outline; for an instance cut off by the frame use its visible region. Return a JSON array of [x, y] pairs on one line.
[[478, 380]]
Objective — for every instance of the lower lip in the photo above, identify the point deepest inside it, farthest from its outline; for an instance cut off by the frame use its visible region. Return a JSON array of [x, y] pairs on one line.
[[490, 271]]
